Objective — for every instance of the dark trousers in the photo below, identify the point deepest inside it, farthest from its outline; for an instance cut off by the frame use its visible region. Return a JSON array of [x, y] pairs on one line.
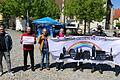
[[59, 65], [6, 55], [31, 54]]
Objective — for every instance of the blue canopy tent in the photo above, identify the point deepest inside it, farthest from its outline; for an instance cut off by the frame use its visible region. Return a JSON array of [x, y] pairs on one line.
[[49, 21]]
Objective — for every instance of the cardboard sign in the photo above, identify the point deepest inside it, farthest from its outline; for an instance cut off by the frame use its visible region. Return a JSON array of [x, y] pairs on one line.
[[28, 40]]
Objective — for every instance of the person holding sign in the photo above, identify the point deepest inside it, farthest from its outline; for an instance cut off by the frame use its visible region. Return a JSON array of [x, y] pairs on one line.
[[99, 32], [28, 40], [44, 48]]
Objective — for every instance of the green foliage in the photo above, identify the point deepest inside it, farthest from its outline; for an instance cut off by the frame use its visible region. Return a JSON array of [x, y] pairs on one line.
[[85, 9], [36, 8], [45, 8], [117, 24]]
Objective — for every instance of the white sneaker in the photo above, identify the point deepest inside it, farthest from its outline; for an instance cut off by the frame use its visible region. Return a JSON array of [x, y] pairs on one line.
[[10, 74], [0, 73], [56, 69], [61, 69]]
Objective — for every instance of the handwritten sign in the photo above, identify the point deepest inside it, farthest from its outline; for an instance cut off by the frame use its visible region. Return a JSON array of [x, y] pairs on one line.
[[28, 40]]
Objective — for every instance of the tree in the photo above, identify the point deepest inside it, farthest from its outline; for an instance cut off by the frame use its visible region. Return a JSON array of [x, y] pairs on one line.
[[118, 25], [12, 7], [87, 10], [36, 8], [43, 8]]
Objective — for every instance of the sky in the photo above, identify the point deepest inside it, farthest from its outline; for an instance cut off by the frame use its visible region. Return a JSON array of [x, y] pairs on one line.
[[116, 4]]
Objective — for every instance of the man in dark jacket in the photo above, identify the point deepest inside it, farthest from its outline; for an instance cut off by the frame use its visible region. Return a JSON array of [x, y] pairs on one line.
[[5, 47]]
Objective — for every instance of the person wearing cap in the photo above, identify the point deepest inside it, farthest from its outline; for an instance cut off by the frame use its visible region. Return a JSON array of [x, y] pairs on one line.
[[44, 48]]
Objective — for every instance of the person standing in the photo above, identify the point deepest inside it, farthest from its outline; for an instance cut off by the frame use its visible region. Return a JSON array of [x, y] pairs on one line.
[[28, 48], [5, 48], [61, 33], [44, 48], [79, 32], [99, 32]]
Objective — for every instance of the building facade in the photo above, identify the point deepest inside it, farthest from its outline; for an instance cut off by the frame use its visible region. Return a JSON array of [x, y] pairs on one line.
[[116, 17]]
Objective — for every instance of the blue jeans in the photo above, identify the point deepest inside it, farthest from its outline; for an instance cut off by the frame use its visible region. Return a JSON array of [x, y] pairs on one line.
[[45, 52]]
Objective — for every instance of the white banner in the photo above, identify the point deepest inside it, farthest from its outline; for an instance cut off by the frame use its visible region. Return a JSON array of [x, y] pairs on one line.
[[86, 43], [28, 40]]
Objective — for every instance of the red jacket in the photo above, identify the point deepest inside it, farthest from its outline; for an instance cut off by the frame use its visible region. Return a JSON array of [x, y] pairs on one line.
[[28, 46]]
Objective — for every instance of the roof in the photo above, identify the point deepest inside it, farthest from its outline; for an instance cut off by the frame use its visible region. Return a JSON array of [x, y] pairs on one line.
[[116, 14]]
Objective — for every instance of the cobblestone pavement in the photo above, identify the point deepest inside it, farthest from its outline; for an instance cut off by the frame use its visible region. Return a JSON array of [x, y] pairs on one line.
[[67, 74]]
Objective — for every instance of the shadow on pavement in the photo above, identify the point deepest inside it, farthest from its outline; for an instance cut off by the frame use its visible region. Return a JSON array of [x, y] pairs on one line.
[[117, 70], [52, 65], [103, 67], [19, 68]]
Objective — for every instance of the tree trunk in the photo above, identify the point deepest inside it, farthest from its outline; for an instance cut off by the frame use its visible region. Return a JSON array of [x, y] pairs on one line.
[[85, 22], [89, 27]]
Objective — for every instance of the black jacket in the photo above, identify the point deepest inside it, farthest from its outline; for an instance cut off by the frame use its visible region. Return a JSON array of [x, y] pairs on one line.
[[8, 42]]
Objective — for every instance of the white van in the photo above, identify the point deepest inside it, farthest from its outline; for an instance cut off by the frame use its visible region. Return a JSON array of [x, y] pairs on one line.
[[71, 24]]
